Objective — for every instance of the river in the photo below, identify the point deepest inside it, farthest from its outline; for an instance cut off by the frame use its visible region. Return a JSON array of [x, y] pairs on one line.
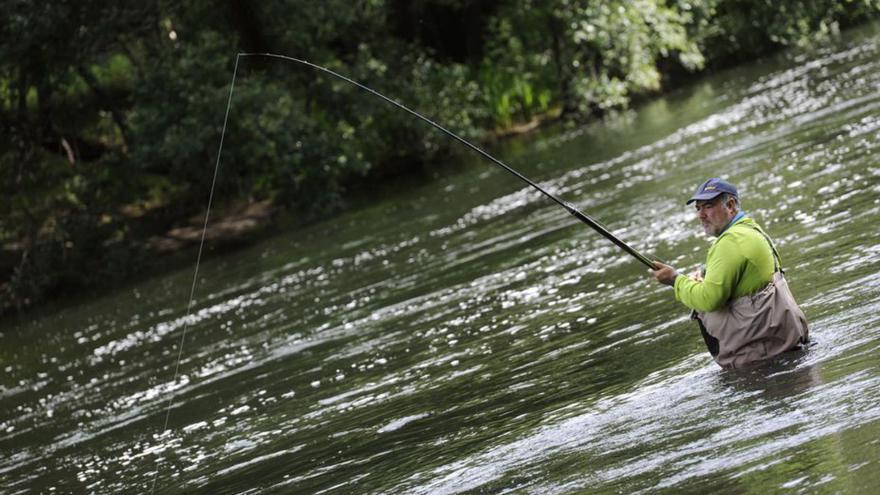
[[469, 336]]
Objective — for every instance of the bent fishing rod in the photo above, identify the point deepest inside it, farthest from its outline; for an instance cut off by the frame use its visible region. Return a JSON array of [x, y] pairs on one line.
[[583, 217]]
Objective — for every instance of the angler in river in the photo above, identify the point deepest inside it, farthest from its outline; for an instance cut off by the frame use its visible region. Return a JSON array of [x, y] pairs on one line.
[[741, 302]]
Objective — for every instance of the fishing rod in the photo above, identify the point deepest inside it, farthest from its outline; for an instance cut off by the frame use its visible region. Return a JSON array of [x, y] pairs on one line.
[[583, 217]]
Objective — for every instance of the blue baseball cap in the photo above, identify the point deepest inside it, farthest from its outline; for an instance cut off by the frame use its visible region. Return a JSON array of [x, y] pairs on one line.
[[712, 188]]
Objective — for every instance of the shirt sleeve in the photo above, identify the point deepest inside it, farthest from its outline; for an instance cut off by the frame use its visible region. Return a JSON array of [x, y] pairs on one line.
[[723, 270]]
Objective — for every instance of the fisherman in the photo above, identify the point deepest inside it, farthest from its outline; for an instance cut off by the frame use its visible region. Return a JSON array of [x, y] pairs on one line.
[[741, 301]]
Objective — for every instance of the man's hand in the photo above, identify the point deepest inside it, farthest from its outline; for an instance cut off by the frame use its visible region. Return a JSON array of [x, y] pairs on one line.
[[664, 274]]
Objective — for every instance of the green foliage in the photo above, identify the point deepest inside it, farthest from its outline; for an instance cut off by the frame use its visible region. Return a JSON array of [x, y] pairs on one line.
[[591, 55], [111, 113], [732, 30]]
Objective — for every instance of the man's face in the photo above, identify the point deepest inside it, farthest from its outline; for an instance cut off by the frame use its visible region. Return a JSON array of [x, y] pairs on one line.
[[714, 215]]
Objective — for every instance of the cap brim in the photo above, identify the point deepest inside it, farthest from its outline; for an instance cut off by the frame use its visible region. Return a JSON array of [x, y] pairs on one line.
[[704, 196]]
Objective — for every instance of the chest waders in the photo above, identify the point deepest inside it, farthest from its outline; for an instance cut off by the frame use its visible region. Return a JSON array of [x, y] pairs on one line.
[[755, 328]]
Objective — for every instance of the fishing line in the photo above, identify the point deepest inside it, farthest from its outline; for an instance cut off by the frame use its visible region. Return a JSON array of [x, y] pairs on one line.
[[583, 217], [192, 289]]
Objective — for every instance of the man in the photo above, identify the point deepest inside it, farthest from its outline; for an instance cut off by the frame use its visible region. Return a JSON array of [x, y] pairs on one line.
[[742, 302]]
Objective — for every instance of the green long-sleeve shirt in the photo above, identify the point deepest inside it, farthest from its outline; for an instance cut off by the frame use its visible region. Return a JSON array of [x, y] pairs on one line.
[[739, 263]]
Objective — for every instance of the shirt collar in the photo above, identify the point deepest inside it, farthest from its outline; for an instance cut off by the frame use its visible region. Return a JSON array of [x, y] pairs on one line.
[[739, 216]]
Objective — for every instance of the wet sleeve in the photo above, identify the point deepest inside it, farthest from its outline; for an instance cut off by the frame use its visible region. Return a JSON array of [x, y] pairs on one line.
[[723, 269]]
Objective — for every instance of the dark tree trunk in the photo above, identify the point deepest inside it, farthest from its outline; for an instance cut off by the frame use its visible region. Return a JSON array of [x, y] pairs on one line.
[[247, 24]]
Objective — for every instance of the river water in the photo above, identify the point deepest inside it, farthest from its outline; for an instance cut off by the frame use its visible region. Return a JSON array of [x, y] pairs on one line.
[[470, 336]]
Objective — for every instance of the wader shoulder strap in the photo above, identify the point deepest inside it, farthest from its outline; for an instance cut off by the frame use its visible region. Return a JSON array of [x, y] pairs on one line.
[[777, 262]]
